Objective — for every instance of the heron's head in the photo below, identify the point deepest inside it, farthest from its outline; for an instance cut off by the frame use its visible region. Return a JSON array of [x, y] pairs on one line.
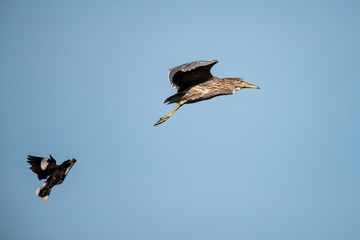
[[240, 83]]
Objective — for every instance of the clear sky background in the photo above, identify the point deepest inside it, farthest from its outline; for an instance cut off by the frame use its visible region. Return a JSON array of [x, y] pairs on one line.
[[87, 80]]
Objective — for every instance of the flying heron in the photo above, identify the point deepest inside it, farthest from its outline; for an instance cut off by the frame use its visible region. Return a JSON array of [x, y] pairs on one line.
[[195, 83]]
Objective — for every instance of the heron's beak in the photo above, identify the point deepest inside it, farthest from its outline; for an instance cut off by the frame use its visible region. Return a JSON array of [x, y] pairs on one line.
[[73, 160], [248, 85]]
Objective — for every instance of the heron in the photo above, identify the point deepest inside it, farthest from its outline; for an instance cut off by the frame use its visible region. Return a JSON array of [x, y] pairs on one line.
[[194, 83]]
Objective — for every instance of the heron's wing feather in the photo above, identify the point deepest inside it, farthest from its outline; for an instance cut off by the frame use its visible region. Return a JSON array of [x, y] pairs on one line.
[[189, 74]]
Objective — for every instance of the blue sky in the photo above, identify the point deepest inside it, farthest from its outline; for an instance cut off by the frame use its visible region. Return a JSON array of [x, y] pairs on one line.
[[87, 80]]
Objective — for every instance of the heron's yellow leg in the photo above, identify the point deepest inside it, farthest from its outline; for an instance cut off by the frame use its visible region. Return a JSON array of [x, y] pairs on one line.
[[166, 117]]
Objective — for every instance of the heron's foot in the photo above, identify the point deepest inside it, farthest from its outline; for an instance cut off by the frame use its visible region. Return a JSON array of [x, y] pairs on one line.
[[60, 182], [163, 119]]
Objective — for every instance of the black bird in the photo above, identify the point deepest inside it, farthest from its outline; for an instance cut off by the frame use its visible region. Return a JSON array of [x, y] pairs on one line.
[[47, 168], [195, 83]]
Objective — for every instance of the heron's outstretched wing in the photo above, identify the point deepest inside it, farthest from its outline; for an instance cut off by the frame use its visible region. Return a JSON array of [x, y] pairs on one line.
[[189, 74]]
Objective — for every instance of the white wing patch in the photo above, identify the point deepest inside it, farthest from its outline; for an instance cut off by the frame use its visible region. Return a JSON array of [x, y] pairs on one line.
[[67, 170], [44, 163]]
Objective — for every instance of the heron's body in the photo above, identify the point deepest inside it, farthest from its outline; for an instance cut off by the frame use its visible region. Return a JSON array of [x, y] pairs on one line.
[[195, 83], [204, 91]]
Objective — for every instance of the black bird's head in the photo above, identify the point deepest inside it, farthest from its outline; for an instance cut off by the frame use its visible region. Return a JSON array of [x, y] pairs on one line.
[[68, 165], [69, 162]]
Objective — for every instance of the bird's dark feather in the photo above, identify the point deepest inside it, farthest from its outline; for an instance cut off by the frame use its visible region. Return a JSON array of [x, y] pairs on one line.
[[190, 74], [174, 98], [45, 191], [35, 163]]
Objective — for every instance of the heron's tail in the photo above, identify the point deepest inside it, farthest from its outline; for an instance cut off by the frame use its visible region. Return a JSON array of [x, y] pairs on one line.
[[44, 191], [176, 98]]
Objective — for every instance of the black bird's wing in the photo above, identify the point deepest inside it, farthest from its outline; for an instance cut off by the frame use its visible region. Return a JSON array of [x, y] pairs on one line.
[[190, 74], [43, 167]]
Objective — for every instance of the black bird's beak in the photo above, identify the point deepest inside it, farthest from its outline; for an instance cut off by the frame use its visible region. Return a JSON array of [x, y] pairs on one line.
[[73, 160], [248, 85]]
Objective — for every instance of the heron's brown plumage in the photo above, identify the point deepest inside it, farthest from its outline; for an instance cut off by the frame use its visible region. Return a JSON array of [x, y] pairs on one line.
[[194, 82]]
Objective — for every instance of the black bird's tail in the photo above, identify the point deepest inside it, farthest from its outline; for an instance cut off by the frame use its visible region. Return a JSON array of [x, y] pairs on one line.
[[44, 191]]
